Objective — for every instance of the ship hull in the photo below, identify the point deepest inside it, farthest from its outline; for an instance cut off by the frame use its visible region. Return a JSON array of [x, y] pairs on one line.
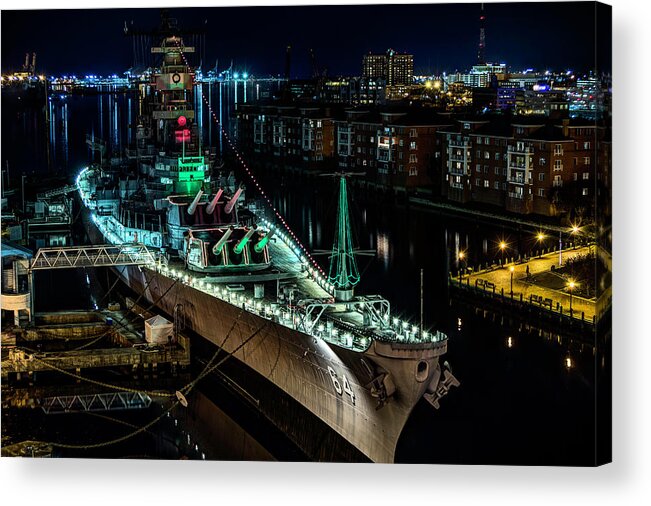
[[295, 380]]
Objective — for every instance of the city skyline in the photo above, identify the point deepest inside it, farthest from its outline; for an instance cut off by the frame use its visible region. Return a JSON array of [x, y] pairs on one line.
[[516, 34]]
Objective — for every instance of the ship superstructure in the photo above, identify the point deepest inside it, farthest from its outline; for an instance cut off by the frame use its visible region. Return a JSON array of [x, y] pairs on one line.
[[347, 371]]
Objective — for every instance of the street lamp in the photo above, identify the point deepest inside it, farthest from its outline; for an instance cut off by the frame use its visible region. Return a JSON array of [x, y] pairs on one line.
[[502, 248], [462, 256], [512, 269], [540, 237], [574, 231], [571, 286]]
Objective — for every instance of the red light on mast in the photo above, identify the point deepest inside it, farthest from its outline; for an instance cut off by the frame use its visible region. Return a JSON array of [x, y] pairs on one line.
[[181, 121]]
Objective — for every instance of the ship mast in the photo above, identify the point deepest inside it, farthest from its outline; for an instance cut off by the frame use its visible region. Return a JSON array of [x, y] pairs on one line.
[[343, 273]]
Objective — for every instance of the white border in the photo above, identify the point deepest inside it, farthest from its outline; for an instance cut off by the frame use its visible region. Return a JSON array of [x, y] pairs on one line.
[[627, 481]]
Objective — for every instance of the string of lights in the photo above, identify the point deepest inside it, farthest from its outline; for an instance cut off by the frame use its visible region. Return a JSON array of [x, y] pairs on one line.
[[249, 173]]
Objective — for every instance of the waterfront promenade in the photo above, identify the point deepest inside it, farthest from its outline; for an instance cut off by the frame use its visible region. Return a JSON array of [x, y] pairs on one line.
[[541, 284]]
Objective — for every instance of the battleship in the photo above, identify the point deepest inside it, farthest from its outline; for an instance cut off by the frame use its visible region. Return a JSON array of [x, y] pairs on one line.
[[334, 370]]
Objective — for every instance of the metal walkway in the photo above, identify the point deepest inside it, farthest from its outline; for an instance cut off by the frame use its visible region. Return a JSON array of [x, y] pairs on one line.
[[106, 255], [95, 402], [56, 191]]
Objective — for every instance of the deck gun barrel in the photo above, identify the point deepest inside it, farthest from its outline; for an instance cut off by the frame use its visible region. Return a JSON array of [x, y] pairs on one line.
[[242, 242], [231, 203], [193, 206], [213, 202], [217, 248], [259, 246]]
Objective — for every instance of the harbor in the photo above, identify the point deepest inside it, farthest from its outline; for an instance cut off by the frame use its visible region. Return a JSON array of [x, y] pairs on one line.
[[195, 259]]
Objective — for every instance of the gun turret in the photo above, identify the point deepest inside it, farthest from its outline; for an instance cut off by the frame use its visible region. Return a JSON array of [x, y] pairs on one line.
[[193, 206], [217, 248], [263, 242], [213, 202], [231, 203], [242, 242]]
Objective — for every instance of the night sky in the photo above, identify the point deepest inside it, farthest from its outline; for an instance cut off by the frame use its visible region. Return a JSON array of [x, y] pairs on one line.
[[443, 37]]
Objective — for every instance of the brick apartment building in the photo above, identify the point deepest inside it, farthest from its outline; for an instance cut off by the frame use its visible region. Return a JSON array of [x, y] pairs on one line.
[[397, 149], [521, 164], [300, 137]]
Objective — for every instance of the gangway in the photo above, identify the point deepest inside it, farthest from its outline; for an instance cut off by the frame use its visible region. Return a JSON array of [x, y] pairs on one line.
[[106, 255], [110, 401], [64, 190]]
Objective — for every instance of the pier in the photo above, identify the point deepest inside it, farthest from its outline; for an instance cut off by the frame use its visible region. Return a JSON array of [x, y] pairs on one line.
[[26, 348]]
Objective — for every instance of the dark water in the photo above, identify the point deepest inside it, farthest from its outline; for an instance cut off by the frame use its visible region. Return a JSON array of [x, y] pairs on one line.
[[519, 402]]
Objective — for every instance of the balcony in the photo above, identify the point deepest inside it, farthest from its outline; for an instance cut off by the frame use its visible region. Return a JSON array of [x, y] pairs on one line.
[[522, 151]]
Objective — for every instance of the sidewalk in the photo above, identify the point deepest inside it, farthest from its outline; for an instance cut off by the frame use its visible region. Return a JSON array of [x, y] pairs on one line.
[[501, 278]]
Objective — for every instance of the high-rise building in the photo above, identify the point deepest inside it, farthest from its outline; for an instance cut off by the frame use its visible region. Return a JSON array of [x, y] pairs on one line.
[[395, 68], [481, 50]]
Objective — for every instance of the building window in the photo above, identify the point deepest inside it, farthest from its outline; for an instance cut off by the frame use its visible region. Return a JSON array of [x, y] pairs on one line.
[[477, 182], [558, 181], [541, 176], [504, 186], [478, 154], [478, 168], [466, 126], [400, 153], [585, 192], [541, 192], [413, 133], [413, 171], [486, 168], [413, 158], [371, 139], [401, 143], [542, 161], [558, 149], [412, 145], [487, 183], [558, 164], [586, 160], [586, 145], [497, 156], [487, 155], [586, 175], [496, 185], [497, 171]]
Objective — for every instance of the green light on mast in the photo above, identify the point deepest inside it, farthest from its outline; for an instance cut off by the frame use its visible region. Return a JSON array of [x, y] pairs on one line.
[[343, 272]]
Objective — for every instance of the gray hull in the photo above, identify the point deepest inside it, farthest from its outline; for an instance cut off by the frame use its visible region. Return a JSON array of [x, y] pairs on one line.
[[293, 377]]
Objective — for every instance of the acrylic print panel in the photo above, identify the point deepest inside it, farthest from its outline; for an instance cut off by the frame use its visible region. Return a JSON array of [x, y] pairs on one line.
[[227, 236]]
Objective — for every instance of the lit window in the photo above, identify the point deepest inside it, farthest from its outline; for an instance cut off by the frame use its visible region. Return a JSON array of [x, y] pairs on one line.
[[486, 183], [586, 175], [541, 176], [585, 192], [541, 192]]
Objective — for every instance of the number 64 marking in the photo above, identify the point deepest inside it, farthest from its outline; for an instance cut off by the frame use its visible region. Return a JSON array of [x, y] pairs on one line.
[[346, 388]]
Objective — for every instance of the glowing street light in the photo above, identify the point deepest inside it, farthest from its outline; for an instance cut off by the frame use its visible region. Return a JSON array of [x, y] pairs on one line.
[[462, 256], [502, 246], [574, 231], [540, 238], [570, 285], [512, 269]]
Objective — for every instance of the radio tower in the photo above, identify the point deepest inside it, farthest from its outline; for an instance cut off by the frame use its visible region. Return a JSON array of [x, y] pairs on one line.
[[481, 51]]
